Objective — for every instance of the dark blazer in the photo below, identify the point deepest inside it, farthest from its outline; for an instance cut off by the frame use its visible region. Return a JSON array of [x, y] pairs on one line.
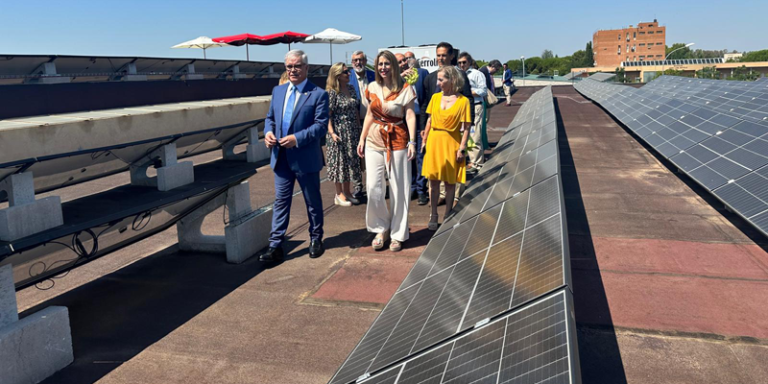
[[430, 88], [423, 74], [309, 124], [488, 78], [353, 80]]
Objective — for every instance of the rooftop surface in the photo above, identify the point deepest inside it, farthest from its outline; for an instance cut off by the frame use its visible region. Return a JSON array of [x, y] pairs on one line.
[[668, 287]]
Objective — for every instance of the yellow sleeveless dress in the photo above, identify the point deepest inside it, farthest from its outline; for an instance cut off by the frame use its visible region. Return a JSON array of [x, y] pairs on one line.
[[444, 140]]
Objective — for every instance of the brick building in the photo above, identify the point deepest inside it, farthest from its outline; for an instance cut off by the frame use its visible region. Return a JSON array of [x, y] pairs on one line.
[[643, 42]]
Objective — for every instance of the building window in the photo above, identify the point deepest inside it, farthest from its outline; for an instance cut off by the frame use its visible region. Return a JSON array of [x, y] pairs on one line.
[[619, 36], [642, 33], [650, 32], [659, 43], [660, 31], [634, 35], [619, 52], [658, 55], [642, 44]]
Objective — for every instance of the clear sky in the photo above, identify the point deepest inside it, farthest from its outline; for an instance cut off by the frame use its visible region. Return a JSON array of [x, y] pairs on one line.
[[487, 29]]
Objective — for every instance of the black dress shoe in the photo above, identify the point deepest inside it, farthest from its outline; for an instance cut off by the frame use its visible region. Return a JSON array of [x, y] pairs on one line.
[[272, 255], [316, 249], [423, 199], [353, 200]]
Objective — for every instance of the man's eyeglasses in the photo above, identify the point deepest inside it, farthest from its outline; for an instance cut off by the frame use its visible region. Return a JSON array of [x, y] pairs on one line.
[[358, 60], [297, 67], [462, 62]]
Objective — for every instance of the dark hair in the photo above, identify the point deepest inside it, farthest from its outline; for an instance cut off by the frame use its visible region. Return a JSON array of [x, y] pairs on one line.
[[447, 46], [495, 63], [468, 57]]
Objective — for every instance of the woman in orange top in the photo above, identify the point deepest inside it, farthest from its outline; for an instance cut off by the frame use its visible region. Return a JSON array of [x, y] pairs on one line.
[[388, 144], [446, 133]]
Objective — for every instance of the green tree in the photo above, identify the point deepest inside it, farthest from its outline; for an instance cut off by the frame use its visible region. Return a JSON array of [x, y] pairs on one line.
[[589, 59], [578, 58], [621, 77], [682, 53], [669, 72], [755, 56], [547, 54], [744, 74], [708, 73]]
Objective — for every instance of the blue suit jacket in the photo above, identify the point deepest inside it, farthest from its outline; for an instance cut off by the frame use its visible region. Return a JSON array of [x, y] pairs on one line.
[[309, 124], [353, 81]]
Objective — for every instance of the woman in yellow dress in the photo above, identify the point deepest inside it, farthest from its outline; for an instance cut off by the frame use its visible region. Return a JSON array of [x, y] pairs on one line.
[[445, 138]]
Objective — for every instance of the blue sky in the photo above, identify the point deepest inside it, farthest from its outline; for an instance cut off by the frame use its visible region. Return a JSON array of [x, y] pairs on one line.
[[500, 29]]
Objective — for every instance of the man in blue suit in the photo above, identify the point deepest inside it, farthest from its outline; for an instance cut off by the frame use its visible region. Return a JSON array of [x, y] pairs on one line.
[[296, 121], [418, 182], [359, 78]]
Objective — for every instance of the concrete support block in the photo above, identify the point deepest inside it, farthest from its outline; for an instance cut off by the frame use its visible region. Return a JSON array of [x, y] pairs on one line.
[[174, 176], [248, 236], [257, 152], [48, 75], [20, 188], [35, 347], [21, 221], [171, 173], [190, 230], [8, 310], [245, 234]]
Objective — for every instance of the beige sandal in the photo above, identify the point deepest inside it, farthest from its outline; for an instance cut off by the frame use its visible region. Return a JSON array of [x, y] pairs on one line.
[[395, 246], [378, 241], [432, 226]]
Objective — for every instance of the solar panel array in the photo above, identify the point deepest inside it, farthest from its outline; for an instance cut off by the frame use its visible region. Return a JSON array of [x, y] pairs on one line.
[[715, 131], [602, 76], [480, 281]]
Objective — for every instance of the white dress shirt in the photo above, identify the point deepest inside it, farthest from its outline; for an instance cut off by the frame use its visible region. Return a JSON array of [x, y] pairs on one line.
[[477, 84], [299, 89]]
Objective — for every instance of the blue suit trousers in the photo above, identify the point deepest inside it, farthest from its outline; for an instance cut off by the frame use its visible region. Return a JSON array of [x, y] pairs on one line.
[[309, 183], [419, 182]]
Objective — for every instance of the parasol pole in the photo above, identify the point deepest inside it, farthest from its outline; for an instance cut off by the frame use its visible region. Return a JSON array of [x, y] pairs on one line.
[[330, 44], [204, 58], [247, 55]]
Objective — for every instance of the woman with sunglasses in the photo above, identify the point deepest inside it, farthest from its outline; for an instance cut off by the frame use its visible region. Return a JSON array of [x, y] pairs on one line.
[[388, 144], [343, 134]]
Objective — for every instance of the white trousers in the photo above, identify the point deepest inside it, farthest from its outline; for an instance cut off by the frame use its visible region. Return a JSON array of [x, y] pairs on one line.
[[378, 217], [476, 154], [508, 93]]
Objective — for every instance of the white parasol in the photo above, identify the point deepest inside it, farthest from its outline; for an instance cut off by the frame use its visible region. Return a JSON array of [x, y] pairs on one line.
[[332, 36], [202, 42]]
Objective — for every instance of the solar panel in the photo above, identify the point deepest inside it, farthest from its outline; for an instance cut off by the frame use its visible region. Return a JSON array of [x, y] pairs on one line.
[[713, 130], [502, 249], [602, 76], [534, 344]]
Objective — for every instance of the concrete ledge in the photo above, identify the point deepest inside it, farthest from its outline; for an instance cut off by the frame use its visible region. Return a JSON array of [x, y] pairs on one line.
[[35, 347], [176, 175], [27, 219], [245, 238]]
